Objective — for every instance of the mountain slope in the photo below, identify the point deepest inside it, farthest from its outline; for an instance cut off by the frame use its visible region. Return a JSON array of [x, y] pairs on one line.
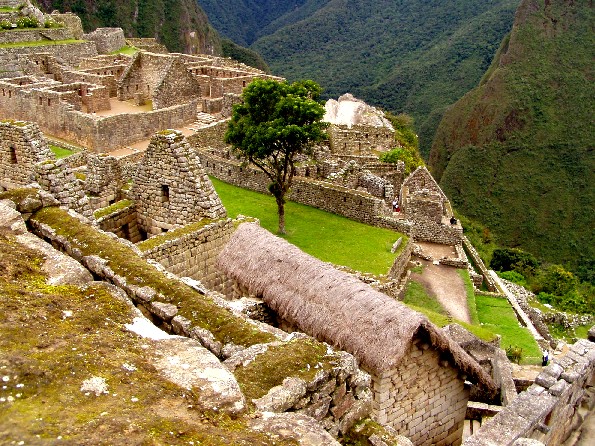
[[243, 21], [517, 152], [413, 56], [179, 24]]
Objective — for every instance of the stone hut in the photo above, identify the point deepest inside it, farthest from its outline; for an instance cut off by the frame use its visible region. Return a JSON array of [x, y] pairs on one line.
[[22, 146], [422, 199], [161, 78], [104, 180], [419, 375], [170, 186]]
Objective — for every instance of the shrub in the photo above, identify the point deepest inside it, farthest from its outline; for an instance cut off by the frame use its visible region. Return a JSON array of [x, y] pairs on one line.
[[514, 353], [5, 24], [513, 259], [27, 22], [514, 277]]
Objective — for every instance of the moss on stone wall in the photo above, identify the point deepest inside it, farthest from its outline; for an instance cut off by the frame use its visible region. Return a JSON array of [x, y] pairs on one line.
[[199, 309]]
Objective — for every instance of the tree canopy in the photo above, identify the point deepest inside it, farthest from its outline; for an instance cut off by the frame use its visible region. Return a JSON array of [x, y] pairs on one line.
[[275, 123]]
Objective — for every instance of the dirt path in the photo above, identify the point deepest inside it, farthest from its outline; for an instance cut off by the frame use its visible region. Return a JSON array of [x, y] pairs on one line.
[[443, 282]]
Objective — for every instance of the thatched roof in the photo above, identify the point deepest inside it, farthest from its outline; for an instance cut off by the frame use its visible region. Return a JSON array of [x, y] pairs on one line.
[[333, 306]]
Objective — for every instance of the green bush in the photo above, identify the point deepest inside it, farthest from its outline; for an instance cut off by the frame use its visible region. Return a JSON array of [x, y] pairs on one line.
[[27, 22], [514, 277], [514, 353], [5, 24], [513, 259]]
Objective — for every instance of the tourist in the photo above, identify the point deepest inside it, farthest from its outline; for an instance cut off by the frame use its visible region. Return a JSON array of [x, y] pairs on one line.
[[395, 205], [453, 220], [545, 358]]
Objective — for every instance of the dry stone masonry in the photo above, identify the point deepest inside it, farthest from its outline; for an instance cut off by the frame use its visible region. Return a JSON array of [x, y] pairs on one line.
[[171, 188]]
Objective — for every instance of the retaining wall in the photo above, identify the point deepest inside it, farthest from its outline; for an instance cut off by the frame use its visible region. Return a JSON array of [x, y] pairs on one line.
[[547, 410]]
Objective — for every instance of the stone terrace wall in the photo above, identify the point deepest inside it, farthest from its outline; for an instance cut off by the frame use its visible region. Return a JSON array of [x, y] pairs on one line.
[[22, 146], [107, 39], [336, 199], [546, 411], [479, 265], [194, 255], [35, 35], [424, 399], [123, 223], [71, 53]]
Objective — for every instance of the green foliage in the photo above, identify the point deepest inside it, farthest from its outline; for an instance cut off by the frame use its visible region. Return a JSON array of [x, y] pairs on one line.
[[407, 144], [513, 276], [514, 353], [516, 152], [326, 236], [275, 123], [5, 24], [405, 56], [512, 259], [244, 55], [555, 279], [27, 22], [170, 21]]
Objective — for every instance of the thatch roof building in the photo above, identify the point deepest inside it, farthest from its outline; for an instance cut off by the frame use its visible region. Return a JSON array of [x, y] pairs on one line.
[[398, 346]]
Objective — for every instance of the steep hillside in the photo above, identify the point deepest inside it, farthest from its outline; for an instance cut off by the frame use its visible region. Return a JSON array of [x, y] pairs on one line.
[[243, 21], [179, 24], [413, 56], [517, 152]]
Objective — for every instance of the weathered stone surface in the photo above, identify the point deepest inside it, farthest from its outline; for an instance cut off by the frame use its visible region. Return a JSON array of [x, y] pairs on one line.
[[280, 398], [181, 325], [359, 410], [292, 426], [527, 442], [591, 334], [206, 338], [191, 366], [164, 310], [247, 355], [319, 409]]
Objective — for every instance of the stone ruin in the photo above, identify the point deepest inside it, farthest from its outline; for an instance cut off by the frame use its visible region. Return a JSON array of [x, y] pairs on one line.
[[171, 189]]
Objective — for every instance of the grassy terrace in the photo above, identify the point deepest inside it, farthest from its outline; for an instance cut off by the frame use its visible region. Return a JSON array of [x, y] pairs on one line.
[[60, 152], [327, 236], [41, 43]]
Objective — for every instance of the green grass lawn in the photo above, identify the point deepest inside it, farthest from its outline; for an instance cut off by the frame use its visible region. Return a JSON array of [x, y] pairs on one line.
[[60, 152], [497, 315], [327, 236], [129, 50]]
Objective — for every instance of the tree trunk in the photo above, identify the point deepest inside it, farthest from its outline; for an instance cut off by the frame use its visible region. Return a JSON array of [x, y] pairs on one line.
[[281, 213]]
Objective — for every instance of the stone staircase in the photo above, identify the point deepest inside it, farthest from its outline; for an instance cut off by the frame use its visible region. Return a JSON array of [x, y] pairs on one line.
[[203, 120]]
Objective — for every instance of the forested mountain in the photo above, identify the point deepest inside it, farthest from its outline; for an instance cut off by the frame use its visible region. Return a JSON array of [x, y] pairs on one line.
[[517, 152], [181, 25], [414, 56]]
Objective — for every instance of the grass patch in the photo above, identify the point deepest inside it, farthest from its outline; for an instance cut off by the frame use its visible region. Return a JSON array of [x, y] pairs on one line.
[[200, 310], [471, 305], [60, 152], [497, 315], [326, 236], [301, 358], [126, 49], [112, 208], [41, 43], [147, 245], [416, 295]]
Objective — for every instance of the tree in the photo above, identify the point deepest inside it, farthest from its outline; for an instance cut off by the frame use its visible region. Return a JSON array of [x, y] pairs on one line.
[[275, 124]]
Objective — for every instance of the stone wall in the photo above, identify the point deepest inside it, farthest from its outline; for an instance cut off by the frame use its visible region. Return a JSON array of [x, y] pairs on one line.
[[360, 139], [104, 180], [22, 146], [359, 206], [423, 399], [107, 39], [399, 265], [547, 410], [170, 186], [71, 53], [34, 35], [70, 21], [123, 223], [56, 178], [479, 265], [194, 254]]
